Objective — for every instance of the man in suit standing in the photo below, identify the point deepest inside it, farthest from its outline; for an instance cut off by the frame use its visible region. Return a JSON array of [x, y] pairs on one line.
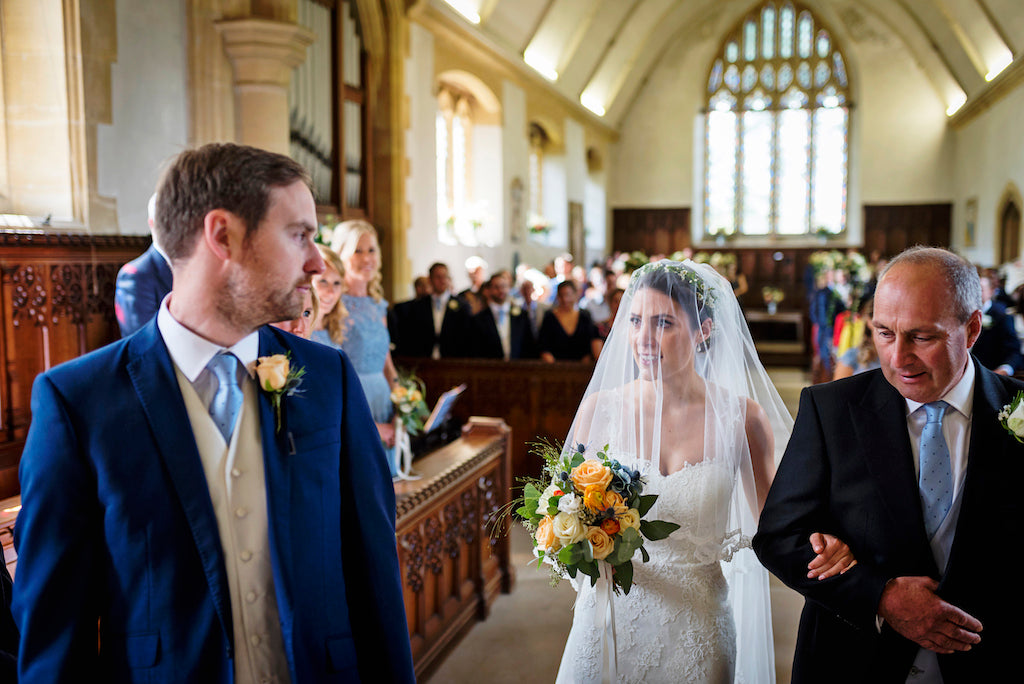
[[142, 283], [909, 465], [434, 326], [998, 347], [215, 527], [502, 330]]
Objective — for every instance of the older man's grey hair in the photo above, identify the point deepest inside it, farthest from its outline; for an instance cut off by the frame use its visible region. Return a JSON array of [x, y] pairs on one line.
[[961, 276]]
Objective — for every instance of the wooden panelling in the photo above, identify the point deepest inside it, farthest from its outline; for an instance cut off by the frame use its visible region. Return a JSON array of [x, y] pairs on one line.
[[453, 547], [652, 231], [57, 302]]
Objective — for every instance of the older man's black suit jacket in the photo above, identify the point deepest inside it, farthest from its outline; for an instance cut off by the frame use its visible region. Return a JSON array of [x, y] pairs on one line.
[[848, 470]]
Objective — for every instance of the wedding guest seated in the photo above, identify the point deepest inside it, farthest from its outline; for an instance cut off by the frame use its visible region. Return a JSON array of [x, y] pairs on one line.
[[501, 330], [433, 326], [329, 325], [998, 347], [567, 333], [614, 299], [303, 324], [862, 356]]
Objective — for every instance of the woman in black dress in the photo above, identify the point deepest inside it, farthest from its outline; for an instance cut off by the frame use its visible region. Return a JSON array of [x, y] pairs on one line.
[[568, 333]]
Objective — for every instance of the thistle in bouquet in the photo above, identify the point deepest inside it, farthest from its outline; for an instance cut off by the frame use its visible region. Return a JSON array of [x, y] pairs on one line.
[[585, 510], [410, 407]]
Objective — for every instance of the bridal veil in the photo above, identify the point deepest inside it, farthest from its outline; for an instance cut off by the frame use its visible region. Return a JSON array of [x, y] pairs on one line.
[[679, 384]]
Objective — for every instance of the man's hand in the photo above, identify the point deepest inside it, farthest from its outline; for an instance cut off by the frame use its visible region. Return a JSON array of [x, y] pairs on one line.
[[912, 608], [834, 556]]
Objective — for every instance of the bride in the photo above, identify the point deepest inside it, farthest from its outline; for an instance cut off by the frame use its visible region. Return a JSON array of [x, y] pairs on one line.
[[679, 393]]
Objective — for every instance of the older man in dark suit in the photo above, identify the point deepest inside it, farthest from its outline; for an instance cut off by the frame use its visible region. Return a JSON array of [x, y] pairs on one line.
[[910, 466]]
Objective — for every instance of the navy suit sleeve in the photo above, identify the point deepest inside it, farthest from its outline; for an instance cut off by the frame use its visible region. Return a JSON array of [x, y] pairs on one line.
[[8, 632], [369, 554], [56, 596], [140, 287], [798, 505]]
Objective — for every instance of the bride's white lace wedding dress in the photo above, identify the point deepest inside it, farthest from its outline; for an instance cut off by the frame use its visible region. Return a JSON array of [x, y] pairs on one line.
[[675, 625]]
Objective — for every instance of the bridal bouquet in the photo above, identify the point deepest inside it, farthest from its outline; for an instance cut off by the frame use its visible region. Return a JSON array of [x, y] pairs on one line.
[[410, 406], [583, 511]]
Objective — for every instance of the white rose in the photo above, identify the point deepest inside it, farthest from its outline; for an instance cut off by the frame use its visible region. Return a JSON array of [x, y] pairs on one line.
[[1015, 421], [568, 528], [543, 501], [570, 503]]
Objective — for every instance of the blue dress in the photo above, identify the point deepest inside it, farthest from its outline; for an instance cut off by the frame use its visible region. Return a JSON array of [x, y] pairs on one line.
[[367, 343]]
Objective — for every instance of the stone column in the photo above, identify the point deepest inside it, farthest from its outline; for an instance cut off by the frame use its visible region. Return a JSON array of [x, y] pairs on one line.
[[263, 54]]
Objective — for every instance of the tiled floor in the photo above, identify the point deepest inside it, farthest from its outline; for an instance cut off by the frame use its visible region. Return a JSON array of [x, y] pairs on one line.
[[522, 639]]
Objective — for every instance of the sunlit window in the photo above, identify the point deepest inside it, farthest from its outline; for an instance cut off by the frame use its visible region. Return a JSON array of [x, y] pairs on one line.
[[457, 216], [777, 127]]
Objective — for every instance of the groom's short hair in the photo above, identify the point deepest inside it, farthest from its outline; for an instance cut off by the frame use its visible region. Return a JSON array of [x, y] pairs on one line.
[[961, 276], [237, 178]]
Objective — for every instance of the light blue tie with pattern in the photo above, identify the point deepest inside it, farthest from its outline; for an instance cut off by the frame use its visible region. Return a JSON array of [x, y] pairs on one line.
[[227, 401], [936, 480]]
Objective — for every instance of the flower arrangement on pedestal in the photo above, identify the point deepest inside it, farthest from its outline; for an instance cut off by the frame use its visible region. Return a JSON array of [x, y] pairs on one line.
[[772, 296]]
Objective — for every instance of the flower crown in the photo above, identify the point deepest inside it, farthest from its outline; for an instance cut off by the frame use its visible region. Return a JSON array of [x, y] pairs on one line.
[[701, 288]]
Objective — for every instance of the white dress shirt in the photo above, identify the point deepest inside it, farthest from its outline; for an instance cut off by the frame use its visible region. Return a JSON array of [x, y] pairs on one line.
[[504, 325]]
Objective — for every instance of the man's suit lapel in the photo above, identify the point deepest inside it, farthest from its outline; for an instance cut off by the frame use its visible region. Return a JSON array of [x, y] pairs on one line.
[[989, 445], [278, 452], [880, 424], [152, 375]]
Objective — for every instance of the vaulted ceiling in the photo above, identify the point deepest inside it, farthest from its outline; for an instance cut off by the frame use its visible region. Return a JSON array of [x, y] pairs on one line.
[[600, 52]]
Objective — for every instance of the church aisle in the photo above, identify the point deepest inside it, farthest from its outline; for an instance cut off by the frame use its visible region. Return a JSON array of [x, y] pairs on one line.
[[522, 639]]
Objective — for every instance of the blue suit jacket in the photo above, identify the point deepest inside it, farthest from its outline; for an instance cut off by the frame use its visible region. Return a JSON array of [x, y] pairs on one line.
[[117, 526], [998, 343], [140, 287]]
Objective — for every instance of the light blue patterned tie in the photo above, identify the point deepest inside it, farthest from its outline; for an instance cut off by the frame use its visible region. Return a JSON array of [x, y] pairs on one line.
[[936, 481], [227, 401], [501, 316]]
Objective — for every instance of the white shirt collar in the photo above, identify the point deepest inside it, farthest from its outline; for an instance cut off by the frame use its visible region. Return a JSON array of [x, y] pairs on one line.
[[191, 352], [959, 396]]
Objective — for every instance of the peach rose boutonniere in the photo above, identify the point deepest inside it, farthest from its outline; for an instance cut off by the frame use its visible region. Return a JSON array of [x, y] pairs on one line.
[[278, 379], [585, 511]]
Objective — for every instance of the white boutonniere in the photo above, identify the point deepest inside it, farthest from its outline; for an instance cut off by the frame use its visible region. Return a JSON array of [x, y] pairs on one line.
[[515, 310], [986, 321], [453, 305], [1012, 417], [278, 379]]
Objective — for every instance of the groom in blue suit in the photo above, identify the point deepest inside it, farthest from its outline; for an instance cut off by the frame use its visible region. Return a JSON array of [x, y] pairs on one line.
[[183, 523]]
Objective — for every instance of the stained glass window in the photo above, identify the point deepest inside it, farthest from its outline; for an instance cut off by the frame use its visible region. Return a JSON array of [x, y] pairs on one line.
[[777, 127]]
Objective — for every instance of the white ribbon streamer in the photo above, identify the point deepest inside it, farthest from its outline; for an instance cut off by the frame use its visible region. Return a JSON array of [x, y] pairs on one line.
[[606, 625], [403, 454]]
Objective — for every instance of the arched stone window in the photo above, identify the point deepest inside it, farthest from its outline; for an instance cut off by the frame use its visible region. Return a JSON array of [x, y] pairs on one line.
[[777, 127]]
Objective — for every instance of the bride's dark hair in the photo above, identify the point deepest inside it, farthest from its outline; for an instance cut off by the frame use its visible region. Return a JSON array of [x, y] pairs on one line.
[[684, 286]]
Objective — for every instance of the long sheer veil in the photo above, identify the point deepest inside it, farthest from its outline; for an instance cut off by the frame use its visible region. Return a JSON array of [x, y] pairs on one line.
[[667, 397]]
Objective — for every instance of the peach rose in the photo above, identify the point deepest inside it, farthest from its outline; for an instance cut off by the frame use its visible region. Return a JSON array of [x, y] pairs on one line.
[[545, 535], [590, 473], [613, 500], [601, 543], [272, 371]]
